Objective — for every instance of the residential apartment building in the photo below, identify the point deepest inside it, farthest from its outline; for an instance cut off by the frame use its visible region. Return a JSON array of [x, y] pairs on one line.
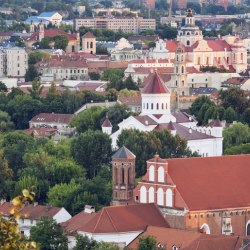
[[125, 24], [13, 62]]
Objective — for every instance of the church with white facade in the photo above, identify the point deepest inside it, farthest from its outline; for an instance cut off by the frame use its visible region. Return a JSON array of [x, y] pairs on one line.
[[156, 114]]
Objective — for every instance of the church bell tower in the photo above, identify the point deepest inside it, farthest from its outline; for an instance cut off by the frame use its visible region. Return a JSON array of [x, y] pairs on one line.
[[123, 176]]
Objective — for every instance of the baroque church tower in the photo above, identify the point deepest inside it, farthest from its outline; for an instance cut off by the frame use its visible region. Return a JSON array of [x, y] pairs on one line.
[[123, 176], [41, 31], [190, 33], [181, 71]]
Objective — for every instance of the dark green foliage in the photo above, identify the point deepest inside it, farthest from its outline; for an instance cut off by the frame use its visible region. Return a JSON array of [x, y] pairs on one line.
[[61, 42], [237, 150], [91, 150], [49, 235], [213, 69], [31, 73], [146, 243], [3, 87], [146, 144]]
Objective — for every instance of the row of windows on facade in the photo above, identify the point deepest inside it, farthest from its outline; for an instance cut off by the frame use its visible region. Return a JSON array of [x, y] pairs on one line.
[[71, 71], [148, 196], [157, 106], [226, 228], [218, 214]]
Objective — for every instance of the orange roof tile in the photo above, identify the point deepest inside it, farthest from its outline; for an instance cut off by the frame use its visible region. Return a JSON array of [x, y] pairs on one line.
[[212, 182], [154, 85], [116, 219], [189, 240]]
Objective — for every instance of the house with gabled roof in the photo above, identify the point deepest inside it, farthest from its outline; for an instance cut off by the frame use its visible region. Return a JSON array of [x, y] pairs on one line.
[[30, 214], [118, 224]]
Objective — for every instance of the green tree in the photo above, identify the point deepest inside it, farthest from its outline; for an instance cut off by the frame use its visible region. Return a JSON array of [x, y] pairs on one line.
[[146, 243], [234, 98], [88, 119], [145, 144], [27, 182], [57, 195], [246, 116], [238, 150], [31, 73], [5, 123], [22, 108], [168, 32], [230, 115], [3, 87], [5, 173], [236, 134], [36, 89], [61, 42], [92, 149], [49, 235], [198, 103], [94, 76], [84, 243], [15, 144]]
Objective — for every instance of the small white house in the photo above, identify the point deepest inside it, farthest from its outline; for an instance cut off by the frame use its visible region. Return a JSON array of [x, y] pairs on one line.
[[31, 214]]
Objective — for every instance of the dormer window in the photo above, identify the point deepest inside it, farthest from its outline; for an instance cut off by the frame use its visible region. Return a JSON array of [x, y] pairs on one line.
[[174, 247]]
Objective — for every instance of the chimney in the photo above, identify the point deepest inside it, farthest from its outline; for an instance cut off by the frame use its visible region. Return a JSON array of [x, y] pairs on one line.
[[2, 201], [89, 209], [146, 122], [190, 131], [35, 204]]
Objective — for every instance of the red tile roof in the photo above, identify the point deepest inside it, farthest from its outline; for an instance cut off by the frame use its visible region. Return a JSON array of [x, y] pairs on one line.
[[213, 182], [52, 118], [106, 123], [171, 45], [154, 85], [215, 123], [51, 33], [116, 219], [40, 132], [88, 35], [218, 45], [145, 120], [130, 100], [31, 211], [189, 240]]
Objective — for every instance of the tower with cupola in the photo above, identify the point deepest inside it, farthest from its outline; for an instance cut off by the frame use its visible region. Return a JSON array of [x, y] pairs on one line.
[[190, 33], [41, 31]]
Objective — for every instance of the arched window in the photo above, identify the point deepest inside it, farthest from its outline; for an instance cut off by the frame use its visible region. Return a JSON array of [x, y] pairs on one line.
[[147, 105], [241, 56], [162, 106], [199, 61], [188, 33], [176, 83], [123, 176], [130, 176], [182, 58], [182, 69], [160, 198], [160, 174], [177, 58], [169, 198], [151, 173], [143, 194], [116, 176], [206, 228], [91, 45], [248, 228], [157, 106], [151, 195], [188, 42], [182, 83], [152, 106], [87, 45]]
